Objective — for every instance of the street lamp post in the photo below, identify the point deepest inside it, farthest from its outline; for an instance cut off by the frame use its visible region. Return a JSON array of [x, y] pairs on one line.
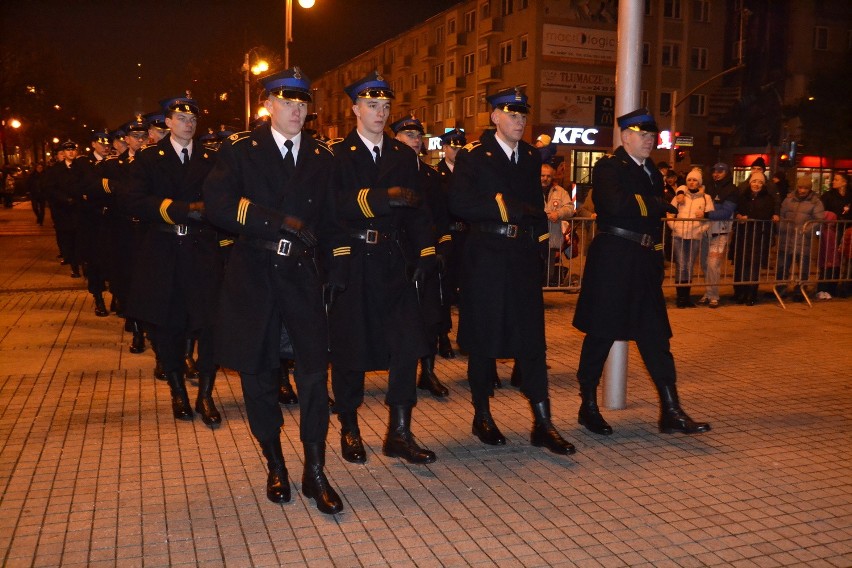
[[260, 67], [288, 27]]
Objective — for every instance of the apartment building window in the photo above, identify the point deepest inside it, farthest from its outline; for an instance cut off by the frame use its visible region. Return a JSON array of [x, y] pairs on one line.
[[483, 56], [451, 67], [643, 99], [439, 73], [670, 55], [698, 105], [392, 55], [470, 21], [665, 102], [647, 7], [414, 81], [451, 26], [701, 10], [439, 35], [524, 4], [451, 108], [485, 9], [671, 9], [508, 7], [820, 38], [437, 112], [468, 64], [506, 52], [698, 58], [524, 47], [467, 106], [481, 103], [646, 53]]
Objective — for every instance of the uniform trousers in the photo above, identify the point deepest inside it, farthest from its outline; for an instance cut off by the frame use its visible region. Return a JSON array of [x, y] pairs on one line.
[[656, 354], [348, 386], [260, 392], [170, 346], [480, 375]]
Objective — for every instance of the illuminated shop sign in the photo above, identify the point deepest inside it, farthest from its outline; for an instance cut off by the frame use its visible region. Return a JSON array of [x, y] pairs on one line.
[[574, 135]]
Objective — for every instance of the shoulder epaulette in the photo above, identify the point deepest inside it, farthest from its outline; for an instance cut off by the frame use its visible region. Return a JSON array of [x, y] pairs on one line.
[[238, 137], [324, 146], [334, 141], [471, 145], [433, 168]]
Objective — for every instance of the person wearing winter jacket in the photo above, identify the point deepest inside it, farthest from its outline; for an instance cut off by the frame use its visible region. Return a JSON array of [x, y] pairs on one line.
[[691, 203], [752, 236], [795, 239], [724, 194]]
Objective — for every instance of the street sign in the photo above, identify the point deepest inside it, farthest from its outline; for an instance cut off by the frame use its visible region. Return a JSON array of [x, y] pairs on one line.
[[684, 141]]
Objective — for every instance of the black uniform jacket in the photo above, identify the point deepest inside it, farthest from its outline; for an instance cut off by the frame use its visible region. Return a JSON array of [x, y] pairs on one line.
[[65, 187], [377, 321], [249, 193], [621, 295], [159, 191], [501, 309]]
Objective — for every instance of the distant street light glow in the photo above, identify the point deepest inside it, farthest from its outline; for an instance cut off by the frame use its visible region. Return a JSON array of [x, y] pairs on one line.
[[15, 123], [307, 3]]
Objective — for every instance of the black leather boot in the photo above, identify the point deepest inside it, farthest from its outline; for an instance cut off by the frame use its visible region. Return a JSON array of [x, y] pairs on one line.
[[673, 418], [180, 400], [204, 404], [351, 445], [400, 443], [445, 348], [286, 394], [100, 307], [75, 271], [544, 434], [515, 379], [495, 378], [683, 300], [137, 344], [114, 306], [190, 369], [590, 414], [277, 483], [315, 484], [484, 427], [159, 373], [428, 380]]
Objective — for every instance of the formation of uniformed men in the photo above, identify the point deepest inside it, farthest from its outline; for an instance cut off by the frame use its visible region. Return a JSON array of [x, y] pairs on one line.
[[270, 248]]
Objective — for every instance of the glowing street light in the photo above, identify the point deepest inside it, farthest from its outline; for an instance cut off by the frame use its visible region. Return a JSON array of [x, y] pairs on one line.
[[15, 123], [260, 67], [288, 27]]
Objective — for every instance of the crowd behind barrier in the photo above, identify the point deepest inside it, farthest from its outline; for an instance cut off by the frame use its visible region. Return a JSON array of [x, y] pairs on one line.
[[774, 254]]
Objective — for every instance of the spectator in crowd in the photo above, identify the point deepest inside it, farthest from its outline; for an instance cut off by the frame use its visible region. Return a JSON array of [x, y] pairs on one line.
[[691, 203], [837, 203], [723, 192], [558, 207], [545, 148], [794, 237], [36, 192], [670, 186], [759, 166], [780, 182], [755, 208]]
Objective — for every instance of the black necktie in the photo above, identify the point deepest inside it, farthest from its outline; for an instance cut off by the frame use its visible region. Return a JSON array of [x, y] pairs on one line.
[[378, 153], [512, 158], [185, 153], [289, 160]]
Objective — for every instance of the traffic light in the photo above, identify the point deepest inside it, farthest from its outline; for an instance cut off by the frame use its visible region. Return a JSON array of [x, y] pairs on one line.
[[784, 160], [680, 155]]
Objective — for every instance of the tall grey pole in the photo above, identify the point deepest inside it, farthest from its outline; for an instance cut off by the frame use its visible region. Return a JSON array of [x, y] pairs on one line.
[[628, 77]]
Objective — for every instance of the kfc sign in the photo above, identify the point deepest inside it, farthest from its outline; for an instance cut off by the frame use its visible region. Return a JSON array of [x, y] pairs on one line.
[[575, 135]]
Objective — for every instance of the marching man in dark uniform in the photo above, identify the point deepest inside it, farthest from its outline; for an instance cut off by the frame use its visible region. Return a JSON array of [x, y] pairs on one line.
[[176, 280], [376, 323], [271, 187], [410, 131], [496, 188], [621, 297]]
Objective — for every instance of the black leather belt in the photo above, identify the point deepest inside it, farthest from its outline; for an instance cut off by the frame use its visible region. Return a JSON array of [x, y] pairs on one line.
[[459, 227], [372, 237], [507, 230], [281, 247], [643, 239], [179, 230]]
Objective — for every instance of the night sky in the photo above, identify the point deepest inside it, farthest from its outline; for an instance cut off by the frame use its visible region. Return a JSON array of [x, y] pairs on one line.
[[102, 42]]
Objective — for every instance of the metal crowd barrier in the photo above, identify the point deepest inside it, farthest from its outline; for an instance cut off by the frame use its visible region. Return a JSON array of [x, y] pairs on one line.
[[771, 254]]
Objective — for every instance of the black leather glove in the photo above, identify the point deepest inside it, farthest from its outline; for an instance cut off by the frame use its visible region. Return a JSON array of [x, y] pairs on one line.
[[330, 292], [295, 227], [440, 263], [426, 266], [402, 197]]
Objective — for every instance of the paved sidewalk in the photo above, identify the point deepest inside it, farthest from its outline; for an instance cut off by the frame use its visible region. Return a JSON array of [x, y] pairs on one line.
[[94, 471]]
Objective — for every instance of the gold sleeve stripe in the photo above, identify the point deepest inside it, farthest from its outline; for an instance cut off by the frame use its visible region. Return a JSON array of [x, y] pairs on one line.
[[105, 183], [543, 237], [341, 251], [242, 209], [226, 242], [428, 251], [658, 246], [445, 239], [501, 205], [642, 209], [163, 213], [363, 204]]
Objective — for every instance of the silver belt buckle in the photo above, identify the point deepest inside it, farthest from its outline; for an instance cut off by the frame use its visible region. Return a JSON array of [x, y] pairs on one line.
[[181, 230], [372, 237], [284, 247], [647, 241], [511, 231]]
